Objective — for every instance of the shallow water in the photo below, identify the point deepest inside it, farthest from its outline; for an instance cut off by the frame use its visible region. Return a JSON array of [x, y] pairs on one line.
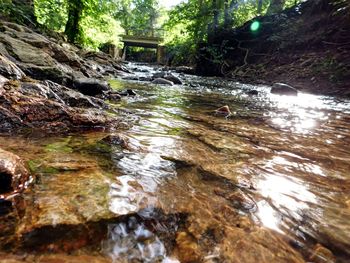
[[269, 183]]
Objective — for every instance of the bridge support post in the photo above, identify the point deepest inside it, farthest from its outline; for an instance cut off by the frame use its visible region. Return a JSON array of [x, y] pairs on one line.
[[124, 52], [161, 55]]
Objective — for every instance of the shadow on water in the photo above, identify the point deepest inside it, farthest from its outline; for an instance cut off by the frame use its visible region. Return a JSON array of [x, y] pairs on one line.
[[269, 183]]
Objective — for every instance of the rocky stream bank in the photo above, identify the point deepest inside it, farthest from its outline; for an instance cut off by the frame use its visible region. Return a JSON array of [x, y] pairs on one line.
[[266, 181]]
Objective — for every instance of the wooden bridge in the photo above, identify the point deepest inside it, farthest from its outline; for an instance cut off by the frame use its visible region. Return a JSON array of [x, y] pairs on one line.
[[146, 42]]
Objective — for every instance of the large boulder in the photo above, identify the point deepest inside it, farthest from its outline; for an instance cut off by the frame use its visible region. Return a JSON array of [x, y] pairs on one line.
[[283, 89], [37, 106], [45, 58], [13, 175], [91, 87], [171, 77]]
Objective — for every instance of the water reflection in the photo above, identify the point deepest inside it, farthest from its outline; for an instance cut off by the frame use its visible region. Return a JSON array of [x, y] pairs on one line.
[[283, 193], [278, 163]]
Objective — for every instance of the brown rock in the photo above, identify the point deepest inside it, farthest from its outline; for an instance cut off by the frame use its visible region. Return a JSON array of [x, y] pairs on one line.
[[188, 248], [13, 175], [322, 255], [224, 110], [46, 110]]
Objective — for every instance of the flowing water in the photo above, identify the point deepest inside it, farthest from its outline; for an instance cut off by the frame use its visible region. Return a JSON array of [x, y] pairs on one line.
[[181, 183]]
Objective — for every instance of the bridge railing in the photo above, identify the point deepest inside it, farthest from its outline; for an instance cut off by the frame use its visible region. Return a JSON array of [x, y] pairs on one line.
[[148, 32]]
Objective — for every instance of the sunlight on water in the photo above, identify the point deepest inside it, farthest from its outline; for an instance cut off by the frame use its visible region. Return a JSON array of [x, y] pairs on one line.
[[142, 176], [283, 193], [303, 112], [132, 241], [302, 100]]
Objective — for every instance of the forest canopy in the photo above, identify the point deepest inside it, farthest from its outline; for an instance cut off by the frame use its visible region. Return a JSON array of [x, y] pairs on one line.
[[91, 23]]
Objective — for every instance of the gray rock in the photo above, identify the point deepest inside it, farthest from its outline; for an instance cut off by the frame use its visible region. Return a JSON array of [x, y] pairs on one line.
[[173, 78], [283, 89], [9, 69], [253, 92], [3, 80], [162, 81], [91, 87], [168, 76], [159, 75]]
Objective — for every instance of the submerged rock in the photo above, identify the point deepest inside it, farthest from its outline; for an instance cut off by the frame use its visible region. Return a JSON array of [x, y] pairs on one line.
[[322, 255], [13, 175], [116, 139], [283, 89], [162, 81], [224, 110]]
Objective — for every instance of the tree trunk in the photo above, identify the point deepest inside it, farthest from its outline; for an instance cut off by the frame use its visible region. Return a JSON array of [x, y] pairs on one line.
[[75, 11], [216, 14], [276, 6], [259, 9]]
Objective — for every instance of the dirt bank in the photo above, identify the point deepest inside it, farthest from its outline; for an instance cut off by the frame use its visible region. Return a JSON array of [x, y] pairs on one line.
[[307, 46]]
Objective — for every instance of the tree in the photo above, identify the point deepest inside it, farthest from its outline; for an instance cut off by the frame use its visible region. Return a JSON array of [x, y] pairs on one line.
[[260, 4], [75, 11], [276, 6]]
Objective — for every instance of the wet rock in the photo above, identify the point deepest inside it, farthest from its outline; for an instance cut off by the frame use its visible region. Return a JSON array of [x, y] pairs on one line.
[[186, 70], [159, 75], [21, 111], [252, 92], [162, 81], [91, 87], [13, 175], [114, 96], [54, 258], [116, 139], [54, 74], [168, 76], [238, 200], [71, 97], [171, 77], [283, 89], [224, 110], [145, 79], [131, 78], [322, 255], [130, 92], [188, 248]]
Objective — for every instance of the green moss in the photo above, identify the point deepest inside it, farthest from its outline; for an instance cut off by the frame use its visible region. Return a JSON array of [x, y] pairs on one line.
[[58, 147], [35, 167]]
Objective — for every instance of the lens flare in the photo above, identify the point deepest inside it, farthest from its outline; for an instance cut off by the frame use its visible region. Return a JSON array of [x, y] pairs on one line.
[[255, 26]]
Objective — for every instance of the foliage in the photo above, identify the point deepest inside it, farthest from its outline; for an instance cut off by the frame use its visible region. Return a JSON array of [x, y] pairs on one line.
[[52, 13], [195, 21]]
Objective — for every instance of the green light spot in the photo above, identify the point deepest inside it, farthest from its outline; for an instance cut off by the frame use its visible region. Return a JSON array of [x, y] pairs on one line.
[[255, 26]]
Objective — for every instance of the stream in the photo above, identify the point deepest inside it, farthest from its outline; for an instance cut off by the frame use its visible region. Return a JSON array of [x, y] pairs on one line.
[[180, 183]]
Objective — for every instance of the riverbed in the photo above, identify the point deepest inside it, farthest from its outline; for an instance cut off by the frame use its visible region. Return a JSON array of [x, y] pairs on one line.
[[178, 182]]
